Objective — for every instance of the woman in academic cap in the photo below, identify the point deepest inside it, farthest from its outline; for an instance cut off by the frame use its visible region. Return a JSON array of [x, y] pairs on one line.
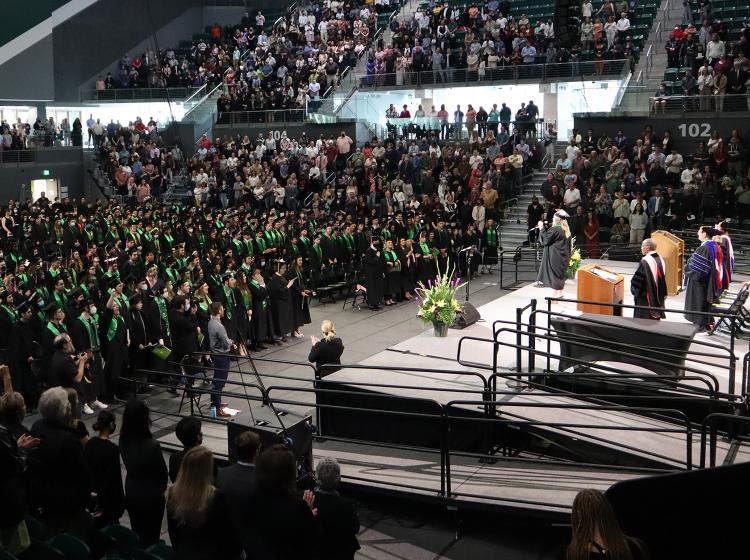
[[556, 256]]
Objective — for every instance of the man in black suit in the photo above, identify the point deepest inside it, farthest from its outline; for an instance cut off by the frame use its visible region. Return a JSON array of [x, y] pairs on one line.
[[237, 481], [736, 79], [336, 517]]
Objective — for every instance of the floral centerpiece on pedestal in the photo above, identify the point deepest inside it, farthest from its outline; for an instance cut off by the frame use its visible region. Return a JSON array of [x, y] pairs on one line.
[[575, 260], [437, 301]]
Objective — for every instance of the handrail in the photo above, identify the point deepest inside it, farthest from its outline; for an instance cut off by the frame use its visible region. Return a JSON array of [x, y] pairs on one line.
[[697, 103], [710, 421], [203, 100], [196, 93], [137, 94], [582, 70]]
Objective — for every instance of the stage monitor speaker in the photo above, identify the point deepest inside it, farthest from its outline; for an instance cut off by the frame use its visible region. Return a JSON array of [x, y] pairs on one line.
[[299, 432], [565, 33], [467, 316]]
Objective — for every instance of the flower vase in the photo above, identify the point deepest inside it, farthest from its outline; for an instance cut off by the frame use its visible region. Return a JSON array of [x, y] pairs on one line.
[[441, 329]]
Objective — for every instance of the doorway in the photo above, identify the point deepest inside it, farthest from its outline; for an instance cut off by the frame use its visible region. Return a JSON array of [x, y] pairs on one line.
[[50, 187]]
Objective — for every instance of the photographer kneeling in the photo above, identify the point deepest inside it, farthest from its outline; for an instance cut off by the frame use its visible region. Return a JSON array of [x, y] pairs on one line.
[[67, 369]]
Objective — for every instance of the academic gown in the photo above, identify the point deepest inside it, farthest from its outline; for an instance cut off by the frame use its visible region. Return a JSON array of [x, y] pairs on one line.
[[649, 291], [555, 257], [425, 263], [116, 354], [281, 305], [408, 270], [489, 246], [392, 284], [21, 348], [262, 321], [300, 303], [703, 282], [374, 271]]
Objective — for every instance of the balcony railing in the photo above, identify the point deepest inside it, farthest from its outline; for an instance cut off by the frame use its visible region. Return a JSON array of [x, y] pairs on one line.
[[281, 116], [704, 104], [138, 94], [535, 72]]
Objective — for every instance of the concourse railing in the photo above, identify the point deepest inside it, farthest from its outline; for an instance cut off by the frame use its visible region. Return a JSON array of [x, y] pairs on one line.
[[270, 117], [138, 94], [708, 104], [533, 72]]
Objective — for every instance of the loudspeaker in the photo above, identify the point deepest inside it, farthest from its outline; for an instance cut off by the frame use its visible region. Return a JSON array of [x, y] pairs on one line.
[[467, 316], [299, 432], [565, 34]]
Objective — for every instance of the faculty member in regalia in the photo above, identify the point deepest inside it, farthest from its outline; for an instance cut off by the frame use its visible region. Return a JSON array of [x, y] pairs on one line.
[[704, 278], [649, 285]]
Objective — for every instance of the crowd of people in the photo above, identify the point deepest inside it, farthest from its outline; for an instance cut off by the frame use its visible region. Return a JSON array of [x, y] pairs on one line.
[[473, 40], [71, 481], [264, 67], [712, 66], [629, 187], [43, 132]]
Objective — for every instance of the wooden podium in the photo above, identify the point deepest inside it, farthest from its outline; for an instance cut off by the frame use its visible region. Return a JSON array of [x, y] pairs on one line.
[[672, 251], [597, 283]]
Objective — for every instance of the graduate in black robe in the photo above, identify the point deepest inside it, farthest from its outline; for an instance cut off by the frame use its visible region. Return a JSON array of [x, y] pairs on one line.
[[262, 323], [649, 284], [556, 254], [469, 245], [300, 295], [408, 261], [116, 339], [490, 244], [374, 271], [425, 260], [228, 297], [392, 285], [22, 351], [281, 301], [703, 277]]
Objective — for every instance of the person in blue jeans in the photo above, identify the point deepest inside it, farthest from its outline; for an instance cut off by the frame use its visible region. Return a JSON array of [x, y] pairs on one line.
[[220, 345]]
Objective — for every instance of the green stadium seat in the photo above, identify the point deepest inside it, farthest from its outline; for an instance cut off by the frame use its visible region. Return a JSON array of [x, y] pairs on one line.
[[71, 547]]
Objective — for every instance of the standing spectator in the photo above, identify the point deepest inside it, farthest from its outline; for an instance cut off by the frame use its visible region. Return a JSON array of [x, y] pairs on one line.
[[336, 516], [572, 197], [638, 223], [198, 515], [146, 473], [103, 458], [237, 481], [188, 432]]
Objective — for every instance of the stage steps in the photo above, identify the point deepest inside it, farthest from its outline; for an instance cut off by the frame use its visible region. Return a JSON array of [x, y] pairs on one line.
[[517, 483]]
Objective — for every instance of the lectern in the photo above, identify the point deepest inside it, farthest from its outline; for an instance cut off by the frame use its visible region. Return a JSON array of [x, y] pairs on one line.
[[597, 283], [672, 251]]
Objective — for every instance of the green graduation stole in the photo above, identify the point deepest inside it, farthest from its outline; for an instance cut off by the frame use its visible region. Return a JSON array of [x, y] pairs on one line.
[[53, 272], [305, 241], [248, 246], [203, 305], [113, 324], [257, 285], [390, 256], [12, 313], [237, 244], [162, 305], [411, 233], [55, 329], [229, 295], [171, 274], [61, 299], [261, 244], [318, 251], [425, 248], [91, 329], [491, 237]]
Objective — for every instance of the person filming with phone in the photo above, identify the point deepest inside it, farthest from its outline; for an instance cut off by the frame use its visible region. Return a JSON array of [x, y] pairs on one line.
[[327, 350]]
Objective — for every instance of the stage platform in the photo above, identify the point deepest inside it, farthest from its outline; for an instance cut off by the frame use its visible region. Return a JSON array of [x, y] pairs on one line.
[[592, 443]]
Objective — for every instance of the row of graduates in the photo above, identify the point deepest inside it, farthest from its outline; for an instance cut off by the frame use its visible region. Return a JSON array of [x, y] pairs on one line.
[[392, 270], [127, 333]]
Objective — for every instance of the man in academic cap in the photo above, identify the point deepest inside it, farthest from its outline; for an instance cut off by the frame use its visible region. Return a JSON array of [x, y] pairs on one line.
[[85, 334], [140, 340], [649, 285], [22, 351], [374, 273]]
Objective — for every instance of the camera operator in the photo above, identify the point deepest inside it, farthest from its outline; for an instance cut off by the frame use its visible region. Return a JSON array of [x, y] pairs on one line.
[[67, 368]]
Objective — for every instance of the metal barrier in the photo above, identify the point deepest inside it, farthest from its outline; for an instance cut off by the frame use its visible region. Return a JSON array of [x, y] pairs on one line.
[[535, 72], [709, 422], [518, 256], [280, 116], [715, 105], [138, 94]]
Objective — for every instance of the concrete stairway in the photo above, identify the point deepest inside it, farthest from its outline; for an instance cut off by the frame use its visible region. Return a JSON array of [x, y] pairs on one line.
[[514, 229], [651, 68]]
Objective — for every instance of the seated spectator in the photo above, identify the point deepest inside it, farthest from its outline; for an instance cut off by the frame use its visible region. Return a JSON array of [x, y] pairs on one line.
[[198, 514], [620, 232]]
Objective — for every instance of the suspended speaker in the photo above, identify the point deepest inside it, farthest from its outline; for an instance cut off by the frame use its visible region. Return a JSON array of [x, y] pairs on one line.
[[565, 32]]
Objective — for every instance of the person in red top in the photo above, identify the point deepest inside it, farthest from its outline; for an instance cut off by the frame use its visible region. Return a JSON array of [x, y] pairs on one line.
[[679, 34], [216, 32], [405, 114]]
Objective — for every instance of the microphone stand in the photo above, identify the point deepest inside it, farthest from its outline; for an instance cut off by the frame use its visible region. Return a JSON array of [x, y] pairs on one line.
[[468, 252]]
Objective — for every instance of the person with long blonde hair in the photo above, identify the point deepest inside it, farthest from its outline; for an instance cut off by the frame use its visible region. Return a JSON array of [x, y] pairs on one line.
[[557, 244], [597, 532], [327, 350], [198, 515]]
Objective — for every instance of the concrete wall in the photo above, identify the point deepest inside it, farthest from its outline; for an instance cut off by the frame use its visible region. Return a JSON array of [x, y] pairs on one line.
[[29, 75], [100, 34], [64, 164], [687, 131]]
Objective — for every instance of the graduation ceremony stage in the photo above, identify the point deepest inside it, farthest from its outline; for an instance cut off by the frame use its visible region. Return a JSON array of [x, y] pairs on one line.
[[480, 420]]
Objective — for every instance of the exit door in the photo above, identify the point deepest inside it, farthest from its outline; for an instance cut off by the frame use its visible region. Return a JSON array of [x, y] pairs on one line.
[[50, 187]]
